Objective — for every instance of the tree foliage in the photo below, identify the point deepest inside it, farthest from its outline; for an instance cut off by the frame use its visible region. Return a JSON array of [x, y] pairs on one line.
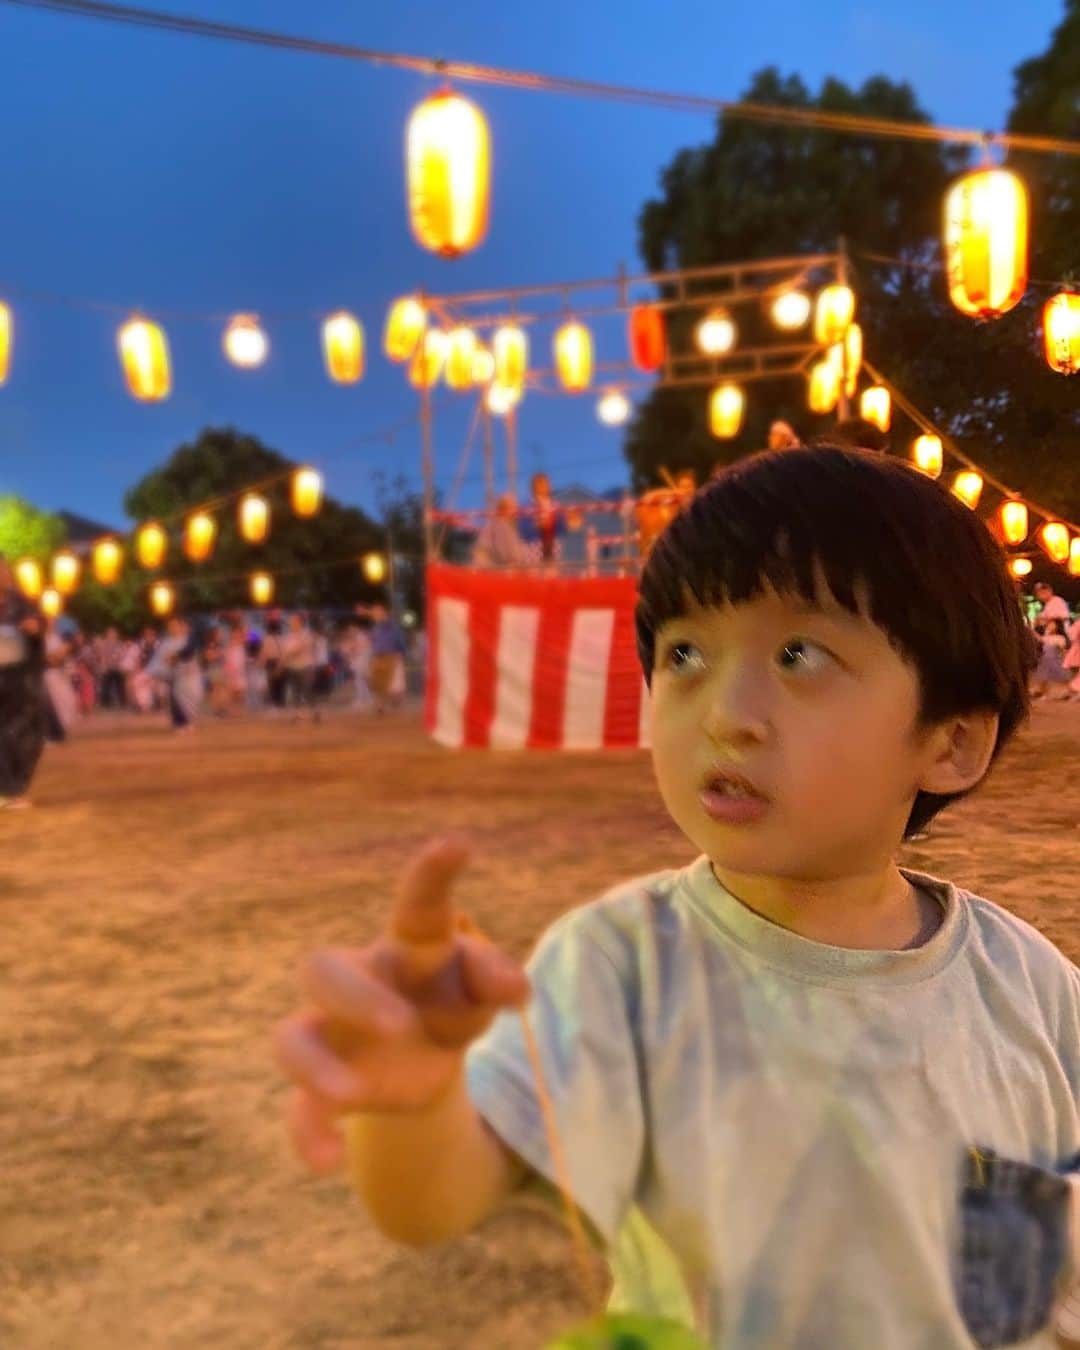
[[26, 532], [759, 191]]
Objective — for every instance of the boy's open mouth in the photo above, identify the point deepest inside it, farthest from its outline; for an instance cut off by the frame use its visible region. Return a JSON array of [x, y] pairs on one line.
[[727, 783]]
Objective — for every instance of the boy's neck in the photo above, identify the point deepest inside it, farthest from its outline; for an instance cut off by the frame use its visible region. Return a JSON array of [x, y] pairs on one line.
[[875, 911]]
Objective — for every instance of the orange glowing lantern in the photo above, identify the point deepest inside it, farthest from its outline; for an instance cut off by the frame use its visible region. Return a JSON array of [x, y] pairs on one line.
[[460, 354], [1013, 519], [66, 569], [448, 158], [574, 356], [986, 242], [262, 588], [1020, 567], [833, 314], [715, 334], [1054, 537], [790, 310], [876, 406], [307, 491], [853, 356], [374, 567], [510, 347], [824, 386], [52, 603], [254, 517], [428, 359], [968, 486], [245, 343], [151, 545], [200, 532], [927, 455], [162, 598], [727, 404], [29, 577], [613, 408], [1074, 556], [7, 337], [648, 338], [501, 400], [405, 326], [144, 356], [1061, 332], [108, 558], [343, 347]]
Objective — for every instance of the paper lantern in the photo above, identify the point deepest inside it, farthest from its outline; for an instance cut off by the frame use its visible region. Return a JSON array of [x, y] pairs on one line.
[[374, 567], [343, 347], [501, 400], [574, 356], [1074, 556], [428, 359], [405, 326], [108, 558], [986, 242], [968, 486], [648, 338], [510, 347], [727, 404], [151, 545], [1013, 517], [715, 334], [1061, 333], [65, 572], [483, 366], [29, 578], [833, 314], [200, 532], [1020, 567], [824, 386], [448, 157], [853, 356], [162, 598], [460, 352], [262, 588], [876, 406], [7, 339], [307, 492], [52, 603], [144, 357], [613, 408], [245, 343], [254, 517], [790, 310], [927, 455], [1054, 537]]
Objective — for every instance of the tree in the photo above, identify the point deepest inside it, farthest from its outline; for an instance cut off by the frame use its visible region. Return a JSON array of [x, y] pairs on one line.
[[26, 532], [760, 191], [314, 562]]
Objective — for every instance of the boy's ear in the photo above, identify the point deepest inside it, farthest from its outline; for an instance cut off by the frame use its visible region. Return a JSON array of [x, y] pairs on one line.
[[960, 751]]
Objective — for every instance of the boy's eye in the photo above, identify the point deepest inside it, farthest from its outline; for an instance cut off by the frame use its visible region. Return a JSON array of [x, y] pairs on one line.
[[800, 656], [684, 657]]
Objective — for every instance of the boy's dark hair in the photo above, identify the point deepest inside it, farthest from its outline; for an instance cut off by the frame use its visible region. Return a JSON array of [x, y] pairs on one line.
[[857, 433], [929, 571]]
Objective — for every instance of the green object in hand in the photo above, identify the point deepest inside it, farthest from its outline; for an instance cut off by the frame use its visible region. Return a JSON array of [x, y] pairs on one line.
[[628, 1331]]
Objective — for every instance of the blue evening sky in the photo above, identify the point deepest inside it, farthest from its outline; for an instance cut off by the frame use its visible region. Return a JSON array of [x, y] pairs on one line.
[[174, 173]]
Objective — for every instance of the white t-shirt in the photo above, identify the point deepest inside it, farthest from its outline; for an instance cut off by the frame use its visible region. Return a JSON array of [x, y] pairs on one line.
[[772, 1137], [1057, 607]]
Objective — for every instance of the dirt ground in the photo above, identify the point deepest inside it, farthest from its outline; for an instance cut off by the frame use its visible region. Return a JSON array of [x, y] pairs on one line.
[[154, 908]]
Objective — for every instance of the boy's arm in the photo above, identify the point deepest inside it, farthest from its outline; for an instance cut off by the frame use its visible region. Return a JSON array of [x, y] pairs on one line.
[[428, 1176]]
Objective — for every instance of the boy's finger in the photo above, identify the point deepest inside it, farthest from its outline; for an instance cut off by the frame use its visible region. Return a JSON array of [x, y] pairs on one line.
[[303, 1056], [423, 912], [492, 977], [339, 987], [313, 1132]]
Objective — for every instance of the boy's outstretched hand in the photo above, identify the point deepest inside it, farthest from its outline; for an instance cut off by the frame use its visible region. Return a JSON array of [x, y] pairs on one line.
[[387, 1025]]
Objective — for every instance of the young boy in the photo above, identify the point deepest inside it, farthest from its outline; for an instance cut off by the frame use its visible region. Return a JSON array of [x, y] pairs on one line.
[[807, 1098]]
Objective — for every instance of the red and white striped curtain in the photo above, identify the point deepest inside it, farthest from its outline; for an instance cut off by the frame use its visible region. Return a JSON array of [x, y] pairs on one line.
[[519, 661]]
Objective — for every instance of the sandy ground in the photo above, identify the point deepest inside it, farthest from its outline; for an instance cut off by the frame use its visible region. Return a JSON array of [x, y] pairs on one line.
[[154, 908]]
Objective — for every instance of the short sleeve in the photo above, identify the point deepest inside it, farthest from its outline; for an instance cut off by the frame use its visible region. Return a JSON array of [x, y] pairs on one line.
[[580, 1014]]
